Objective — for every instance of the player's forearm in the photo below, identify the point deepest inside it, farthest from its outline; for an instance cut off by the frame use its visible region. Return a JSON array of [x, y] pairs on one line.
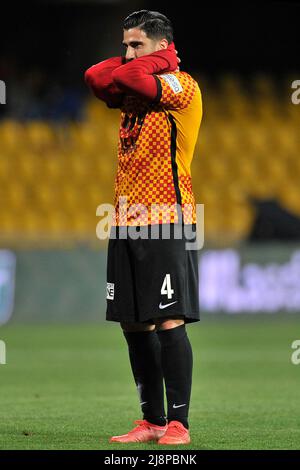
[[99, 79], [137, 75]]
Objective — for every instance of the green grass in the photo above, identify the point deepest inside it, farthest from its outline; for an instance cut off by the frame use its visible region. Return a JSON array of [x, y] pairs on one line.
[[70, 387]]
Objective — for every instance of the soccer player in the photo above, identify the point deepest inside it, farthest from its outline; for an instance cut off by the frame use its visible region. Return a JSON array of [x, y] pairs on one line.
[[152, 280]]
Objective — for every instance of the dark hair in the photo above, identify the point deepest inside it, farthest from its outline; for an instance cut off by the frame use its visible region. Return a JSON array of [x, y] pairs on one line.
[[155, 24]]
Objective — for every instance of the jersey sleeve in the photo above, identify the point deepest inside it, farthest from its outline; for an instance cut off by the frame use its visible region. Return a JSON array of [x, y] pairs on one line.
[[175, 90], [99, 79]]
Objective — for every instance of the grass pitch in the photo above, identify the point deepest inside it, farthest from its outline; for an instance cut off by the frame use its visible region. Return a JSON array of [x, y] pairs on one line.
[[70, 387]]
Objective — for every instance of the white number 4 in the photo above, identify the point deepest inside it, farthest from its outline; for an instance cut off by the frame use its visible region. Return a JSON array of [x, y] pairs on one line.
[[166, 288]]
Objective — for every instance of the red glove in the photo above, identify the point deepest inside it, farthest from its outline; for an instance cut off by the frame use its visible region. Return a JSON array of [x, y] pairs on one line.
[[136, 77]]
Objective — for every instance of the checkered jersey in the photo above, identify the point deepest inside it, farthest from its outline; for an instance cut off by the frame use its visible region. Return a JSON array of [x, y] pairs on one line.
[[155, 150]]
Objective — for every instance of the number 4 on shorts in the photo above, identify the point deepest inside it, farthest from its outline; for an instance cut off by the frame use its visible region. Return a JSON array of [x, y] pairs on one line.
[[166, 288]]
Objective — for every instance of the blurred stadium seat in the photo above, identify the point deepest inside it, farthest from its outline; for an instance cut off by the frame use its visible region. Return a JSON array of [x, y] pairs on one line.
[[52, 176]]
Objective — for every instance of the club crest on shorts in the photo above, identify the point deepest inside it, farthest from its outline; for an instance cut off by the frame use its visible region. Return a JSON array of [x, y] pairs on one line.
[[110, 291]]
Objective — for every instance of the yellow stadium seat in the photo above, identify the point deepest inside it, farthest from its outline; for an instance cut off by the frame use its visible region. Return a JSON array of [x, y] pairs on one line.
[[289, 197], [4, 167], [39, 135], [12, 136], [17, 195], [8, 224], [45, 196]]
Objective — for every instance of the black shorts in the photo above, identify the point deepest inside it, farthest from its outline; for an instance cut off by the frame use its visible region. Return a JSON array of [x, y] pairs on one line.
[[152, 278]]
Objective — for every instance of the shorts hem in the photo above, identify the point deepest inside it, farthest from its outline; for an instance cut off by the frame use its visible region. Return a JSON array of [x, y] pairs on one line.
[[188, 319]]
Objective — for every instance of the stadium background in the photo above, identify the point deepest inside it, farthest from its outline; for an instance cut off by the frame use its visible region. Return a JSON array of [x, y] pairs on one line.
[[57, 164]]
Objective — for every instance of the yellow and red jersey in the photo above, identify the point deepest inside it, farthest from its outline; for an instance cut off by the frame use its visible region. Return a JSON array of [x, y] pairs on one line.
[[155, 151]]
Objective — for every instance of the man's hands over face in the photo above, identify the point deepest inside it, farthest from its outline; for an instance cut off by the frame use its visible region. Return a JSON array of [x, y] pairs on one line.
[[136, 77], [172, 55], [178, 61], [171, 47]]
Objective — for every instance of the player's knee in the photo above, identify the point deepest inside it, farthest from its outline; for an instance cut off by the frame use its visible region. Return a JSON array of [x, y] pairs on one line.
[[167, 324], [135, 327]]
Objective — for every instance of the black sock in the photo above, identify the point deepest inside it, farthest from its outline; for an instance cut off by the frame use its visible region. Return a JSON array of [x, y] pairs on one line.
[[177, 364], [145, 358]]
